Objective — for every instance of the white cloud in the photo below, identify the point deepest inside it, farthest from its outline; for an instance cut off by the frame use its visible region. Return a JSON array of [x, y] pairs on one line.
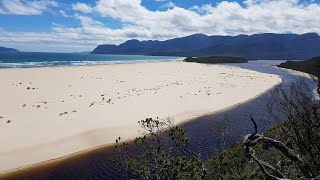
[[196, 8], [88, 22], [64, 14], [56, 24], [169, 5], [26, 7], [82, 7], [226, 18]]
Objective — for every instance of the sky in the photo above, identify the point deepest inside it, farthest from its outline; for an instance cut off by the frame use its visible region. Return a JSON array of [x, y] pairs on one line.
[[79, 25]]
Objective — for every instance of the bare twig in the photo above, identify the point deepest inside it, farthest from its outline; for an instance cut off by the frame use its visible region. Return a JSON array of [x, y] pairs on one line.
[[253, 139]]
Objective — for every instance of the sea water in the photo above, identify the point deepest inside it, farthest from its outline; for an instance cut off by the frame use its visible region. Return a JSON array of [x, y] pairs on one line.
[[39, 59]]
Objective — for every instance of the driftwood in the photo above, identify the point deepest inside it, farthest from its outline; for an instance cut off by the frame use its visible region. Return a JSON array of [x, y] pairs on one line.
[[253, 139]]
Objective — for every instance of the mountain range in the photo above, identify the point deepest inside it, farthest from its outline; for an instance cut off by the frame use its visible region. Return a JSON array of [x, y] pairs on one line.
[[7, 50], [257, 46]]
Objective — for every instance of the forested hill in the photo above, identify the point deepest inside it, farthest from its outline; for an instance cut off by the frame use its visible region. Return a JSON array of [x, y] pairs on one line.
[[257, 46], [311, 66], [7, 50]]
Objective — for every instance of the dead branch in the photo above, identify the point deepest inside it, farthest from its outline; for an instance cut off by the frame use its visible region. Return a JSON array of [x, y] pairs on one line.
[[253, 139]]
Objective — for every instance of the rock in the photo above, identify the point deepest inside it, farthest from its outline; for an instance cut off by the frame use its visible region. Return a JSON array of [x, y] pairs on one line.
[[64, 113]]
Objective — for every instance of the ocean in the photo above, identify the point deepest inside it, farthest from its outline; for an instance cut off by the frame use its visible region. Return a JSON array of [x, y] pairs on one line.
[[39, 59]]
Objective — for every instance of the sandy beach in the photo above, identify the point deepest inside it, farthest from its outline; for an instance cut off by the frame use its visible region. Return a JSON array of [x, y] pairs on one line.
[[46, 113]]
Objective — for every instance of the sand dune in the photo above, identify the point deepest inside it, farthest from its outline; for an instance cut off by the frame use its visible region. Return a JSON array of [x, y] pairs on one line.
[[47, 113]]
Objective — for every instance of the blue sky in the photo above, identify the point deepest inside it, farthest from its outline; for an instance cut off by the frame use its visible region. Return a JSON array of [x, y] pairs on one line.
[[75, 25]]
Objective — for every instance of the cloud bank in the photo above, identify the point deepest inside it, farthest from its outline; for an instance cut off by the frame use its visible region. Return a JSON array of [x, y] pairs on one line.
[[25, 7], [225, 18]]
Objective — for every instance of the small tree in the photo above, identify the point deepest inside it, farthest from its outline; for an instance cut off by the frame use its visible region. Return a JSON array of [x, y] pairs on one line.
[[298, 137], [164, 153], [251, 140], [301, 110], [222, 128]]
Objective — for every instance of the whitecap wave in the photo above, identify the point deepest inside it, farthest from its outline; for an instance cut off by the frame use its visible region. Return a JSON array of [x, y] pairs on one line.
[[57, 63]]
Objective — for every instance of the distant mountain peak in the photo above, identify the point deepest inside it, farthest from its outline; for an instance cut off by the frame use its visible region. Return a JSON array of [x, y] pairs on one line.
[[311, 34], [133, 40], [198, 35], [8, 50]]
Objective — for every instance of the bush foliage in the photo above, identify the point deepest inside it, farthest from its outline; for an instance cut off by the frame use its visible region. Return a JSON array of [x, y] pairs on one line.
[[216, 59]]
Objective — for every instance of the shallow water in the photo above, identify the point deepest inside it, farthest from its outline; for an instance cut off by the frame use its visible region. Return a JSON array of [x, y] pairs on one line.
[[98, 164]]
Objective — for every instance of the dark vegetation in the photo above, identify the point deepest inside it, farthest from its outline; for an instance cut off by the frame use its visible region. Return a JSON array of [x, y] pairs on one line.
[[289, 150], [216, 59], [311, 66], [257, 46], [164, 153]]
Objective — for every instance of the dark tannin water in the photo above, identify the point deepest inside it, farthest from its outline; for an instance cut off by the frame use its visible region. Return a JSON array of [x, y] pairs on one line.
[[98, 164]]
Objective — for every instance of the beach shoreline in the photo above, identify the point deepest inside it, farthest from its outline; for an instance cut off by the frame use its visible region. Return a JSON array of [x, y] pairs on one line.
[[94, 60], [163, 67], [109, 147]]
